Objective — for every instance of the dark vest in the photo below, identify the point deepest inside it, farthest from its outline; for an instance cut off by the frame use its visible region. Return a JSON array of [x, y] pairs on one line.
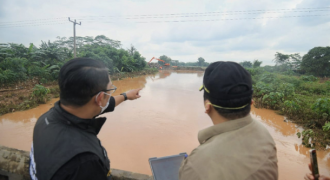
[[59, 136]]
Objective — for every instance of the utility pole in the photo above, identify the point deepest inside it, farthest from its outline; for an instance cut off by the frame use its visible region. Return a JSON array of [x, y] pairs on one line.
[[74, 34]]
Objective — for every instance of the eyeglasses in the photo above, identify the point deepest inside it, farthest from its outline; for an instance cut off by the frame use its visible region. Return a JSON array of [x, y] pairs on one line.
[[112, 90]]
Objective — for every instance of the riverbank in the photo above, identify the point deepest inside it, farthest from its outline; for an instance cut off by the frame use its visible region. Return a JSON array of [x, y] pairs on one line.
[[29, 94], [304, 100]]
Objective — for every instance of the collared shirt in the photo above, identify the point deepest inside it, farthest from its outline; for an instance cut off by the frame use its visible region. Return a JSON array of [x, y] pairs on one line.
[[240, 149]]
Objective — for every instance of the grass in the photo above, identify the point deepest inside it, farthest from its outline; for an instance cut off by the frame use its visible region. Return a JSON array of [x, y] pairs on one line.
[[298, 98]]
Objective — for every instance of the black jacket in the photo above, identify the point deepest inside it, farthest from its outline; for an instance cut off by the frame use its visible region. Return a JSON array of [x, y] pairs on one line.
[[60, 137]]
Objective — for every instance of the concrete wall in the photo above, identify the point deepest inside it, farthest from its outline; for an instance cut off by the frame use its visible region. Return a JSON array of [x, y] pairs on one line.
[[14, 165]]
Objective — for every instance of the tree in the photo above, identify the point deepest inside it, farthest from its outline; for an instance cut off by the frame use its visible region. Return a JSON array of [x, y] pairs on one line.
[[165, 58], [287, 62], [317, 61], [131, 50], [256, 63], [246, 64], [201, 61], [281, 58], [181, 63]]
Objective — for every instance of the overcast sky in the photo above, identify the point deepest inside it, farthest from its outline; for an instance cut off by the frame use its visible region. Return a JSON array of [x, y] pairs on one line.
[[23, 21]]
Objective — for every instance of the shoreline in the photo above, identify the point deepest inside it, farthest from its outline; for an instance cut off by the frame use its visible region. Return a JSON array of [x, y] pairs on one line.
[[18, 97]]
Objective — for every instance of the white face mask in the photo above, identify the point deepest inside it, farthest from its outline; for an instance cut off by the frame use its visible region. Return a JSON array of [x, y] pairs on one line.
[[106, 106]]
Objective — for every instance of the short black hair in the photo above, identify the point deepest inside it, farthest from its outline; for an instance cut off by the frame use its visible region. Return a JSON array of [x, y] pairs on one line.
[[80, 79], [237, 102]]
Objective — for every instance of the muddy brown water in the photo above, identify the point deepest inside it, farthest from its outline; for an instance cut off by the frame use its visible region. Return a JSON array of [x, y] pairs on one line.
[[165, 121]]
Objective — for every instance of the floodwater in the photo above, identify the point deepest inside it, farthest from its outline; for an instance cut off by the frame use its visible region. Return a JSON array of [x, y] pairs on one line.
[[165, 121]]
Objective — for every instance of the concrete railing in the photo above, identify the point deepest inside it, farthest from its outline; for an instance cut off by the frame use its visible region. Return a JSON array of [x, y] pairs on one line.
[[14, 165]]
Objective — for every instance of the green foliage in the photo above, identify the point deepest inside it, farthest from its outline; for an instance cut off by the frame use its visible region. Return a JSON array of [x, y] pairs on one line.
[[287, 89], [269, 68], [43, 81], [18, 63], [255, 71], [299, 134], [326, 126], [291, 79], [201, 61], [306, 135], [310, 78], [256, 63], [315, 88], [246, 64], [261, 89], [273, 99], [322, 105], [268, 77], [287, 62], [316, 61], [304, 99], [39, 93], [166, 59], [291, 107]]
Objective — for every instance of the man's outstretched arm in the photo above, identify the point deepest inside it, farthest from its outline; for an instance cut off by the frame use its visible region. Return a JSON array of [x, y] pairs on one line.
[[116, 100], [131, 95]]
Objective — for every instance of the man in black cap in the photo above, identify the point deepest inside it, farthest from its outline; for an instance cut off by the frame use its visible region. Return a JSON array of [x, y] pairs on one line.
[[65, 143], [237, 147]]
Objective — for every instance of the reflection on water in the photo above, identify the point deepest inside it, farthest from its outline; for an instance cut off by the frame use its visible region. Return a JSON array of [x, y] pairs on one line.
[[292, 155], [164, 121], [16, 128]]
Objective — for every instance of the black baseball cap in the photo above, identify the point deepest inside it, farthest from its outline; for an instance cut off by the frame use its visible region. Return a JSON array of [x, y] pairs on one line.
[[221, 77]]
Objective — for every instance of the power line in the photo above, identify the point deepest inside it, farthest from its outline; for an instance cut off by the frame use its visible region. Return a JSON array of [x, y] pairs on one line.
[[194, 20], [260, 11], [32, 22], [30, 25], [228, 19], [182, 14], [190, 15]]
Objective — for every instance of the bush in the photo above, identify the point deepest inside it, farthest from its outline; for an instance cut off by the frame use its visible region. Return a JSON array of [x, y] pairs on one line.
[[39, 93], [326, 126], [287, 89], [43, 81], [273, 99], [292, 80], [10, 77], [291, 107], [310, 78], [315, 88], [255, 71], [261, 89], [322, 105], [268, 77]]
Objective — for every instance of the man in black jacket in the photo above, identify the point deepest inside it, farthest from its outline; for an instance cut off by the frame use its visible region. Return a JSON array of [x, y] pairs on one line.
[[65, 143]]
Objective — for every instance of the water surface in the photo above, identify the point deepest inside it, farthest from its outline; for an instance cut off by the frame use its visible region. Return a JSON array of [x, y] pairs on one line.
[[165, 121]]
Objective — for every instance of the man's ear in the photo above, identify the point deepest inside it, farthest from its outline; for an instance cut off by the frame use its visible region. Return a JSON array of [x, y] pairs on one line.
[[252, 102], [208, 106], [99, 98]]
